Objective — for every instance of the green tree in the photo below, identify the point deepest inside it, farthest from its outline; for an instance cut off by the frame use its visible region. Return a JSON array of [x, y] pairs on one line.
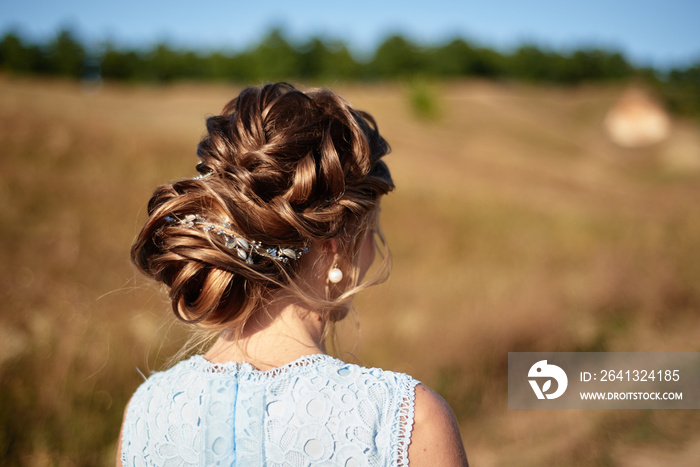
[[594, 65], [488, 63], [163, 64], [273, 59], [398, 57], [14, 56], [220, 66], [452, 59], [66, 55], [681, 90], [341, 64], [313, 59], [121, 65], [327, 60], [530, 63], [18, 57]]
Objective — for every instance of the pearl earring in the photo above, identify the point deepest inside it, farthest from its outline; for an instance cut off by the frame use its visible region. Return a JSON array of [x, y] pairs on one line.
[[335, 275]]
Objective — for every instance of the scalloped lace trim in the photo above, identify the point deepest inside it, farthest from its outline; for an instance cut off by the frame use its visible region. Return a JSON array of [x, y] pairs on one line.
[[405, 420], [307, 361]]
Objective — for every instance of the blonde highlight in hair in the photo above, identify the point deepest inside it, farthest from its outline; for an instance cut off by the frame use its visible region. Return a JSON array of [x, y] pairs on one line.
[[283, 168]]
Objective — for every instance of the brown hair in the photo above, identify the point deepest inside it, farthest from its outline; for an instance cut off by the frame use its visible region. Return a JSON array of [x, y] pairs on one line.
[[286, 168]]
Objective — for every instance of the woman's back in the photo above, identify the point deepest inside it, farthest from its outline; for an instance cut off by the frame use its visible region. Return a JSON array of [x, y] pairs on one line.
[[316, 410], [264, 251]]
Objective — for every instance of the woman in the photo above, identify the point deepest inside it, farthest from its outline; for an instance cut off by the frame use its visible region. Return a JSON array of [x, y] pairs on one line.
[[266, 248]]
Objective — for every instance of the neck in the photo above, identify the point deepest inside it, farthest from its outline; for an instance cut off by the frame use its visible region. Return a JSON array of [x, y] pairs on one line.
[[282, 333]]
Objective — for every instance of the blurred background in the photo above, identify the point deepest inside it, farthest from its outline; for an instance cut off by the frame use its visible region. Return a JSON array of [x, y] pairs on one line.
[[547, 159]]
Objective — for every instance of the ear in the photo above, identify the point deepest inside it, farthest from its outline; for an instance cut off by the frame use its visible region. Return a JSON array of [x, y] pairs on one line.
[[329, 248], [333, 245]]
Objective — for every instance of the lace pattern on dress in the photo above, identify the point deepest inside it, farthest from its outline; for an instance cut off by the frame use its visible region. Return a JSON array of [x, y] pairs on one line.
[[315, 411]]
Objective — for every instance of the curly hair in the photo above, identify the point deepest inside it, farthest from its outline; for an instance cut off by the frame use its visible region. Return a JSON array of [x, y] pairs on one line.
[[284, 167]]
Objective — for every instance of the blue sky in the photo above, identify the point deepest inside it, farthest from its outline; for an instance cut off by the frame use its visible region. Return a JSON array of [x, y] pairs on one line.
[[657, 32]]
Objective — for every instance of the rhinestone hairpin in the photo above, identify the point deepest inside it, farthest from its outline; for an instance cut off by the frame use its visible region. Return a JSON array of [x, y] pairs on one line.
[[246, 250], [202, 176]]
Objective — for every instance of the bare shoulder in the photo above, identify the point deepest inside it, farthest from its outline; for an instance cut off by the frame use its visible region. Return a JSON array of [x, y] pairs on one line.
[[435, 438]]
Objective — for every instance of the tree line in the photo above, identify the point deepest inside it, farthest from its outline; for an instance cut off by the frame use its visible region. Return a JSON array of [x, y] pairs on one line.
[[276, 58]]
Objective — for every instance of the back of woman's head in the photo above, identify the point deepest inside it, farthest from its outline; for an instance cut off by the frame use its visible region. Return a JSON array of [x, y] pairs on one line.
[[281, 172]]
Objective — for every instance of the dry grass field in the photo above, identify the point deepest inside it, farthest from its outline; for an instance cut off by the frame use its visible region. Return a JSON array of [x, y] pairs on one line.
[[516, 226]]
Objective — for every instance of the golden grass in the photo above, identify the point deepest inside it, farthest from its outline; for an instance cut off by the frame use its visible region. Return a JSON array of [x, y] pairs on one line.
[[516, 226]]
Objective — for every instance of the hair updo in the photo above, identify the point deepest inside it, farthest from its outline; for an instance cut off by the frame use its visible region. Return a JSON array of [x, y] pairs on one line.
[[284, 168]]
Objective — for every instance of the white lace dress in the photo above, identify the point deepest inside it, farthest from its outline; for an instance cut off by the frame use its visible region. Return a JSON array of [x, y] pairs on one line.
[[315, 411]]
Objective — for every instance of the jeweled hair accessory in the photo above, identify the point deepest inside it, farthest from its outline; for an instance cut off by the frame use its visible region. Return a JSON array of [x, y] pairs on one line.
[[246, 250], [202, 176]]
